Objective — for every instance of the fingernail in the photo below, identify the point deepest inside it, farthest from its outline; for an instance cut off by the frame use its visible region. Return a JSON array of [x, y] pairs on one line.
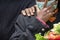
[[32, 13], [24, 13], [28, 14]]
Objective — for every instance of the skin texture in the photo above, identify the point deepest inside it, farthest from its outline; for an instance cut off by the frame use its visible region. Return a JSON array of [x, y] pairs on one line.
[[43, 14]]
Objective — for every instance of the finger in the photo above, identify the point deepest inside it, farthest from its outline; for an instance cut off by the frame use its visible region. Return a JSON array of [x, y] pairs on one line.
[[45, 9], [33, 9], [47, 16], [52, 9], [53, 3], [36, 8], [53, 18], [45, 4], [27, 11], [50, 14], [30, 11], [50, 6], [23, 12], [53, 12], [47, 12]]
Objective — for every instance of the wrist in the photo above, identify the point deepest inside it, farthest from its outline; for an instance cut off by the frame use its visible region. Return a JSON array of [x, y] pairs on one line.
[[43, 22], [41, 18]]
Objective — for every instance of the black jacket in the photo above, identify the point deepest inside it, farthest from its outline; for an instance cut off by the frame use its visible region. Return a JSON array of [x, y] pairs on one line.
[[27, 27], [9, 10]]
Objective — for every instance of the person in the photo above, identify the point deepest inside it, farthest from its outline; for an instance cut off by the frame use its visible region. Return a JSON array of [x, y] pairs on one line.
[[27, 27]]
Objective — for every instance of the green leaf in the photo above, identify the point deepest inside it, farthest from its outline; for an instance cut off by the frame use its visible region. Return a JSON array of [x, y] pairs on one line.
[[39, 37]]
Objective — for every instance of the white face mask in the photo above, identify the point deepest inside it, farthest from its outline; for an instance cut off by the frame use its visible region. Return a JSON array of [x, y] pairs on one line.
[[41, 4]]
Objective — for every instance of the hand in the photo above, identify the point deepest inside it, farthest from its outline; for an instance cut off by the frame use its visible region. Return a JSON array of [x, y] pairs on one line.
[[28, 11], [45, 13]]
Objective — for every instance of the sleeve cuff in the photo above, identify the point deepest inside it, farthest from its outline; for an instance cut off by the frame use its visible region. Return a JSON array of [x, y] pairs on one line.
[[42, 22]]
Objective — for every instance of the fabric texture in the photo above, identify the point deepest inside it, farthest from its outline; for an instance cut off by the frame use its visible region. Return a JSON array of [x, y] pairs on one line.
[[27, 27], [9, 11]]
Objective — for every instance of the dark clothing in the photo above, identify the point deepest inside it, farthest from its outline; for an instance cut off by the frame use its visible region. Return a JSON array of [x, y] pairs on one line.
[[9, 10], [27, 27]]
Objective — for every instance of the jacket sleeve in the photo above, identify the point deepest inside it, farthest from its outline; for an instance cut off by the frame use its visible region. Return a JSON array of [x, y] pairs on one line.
[[26, 27], [21, 31], [18, 34], [34, 25]]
